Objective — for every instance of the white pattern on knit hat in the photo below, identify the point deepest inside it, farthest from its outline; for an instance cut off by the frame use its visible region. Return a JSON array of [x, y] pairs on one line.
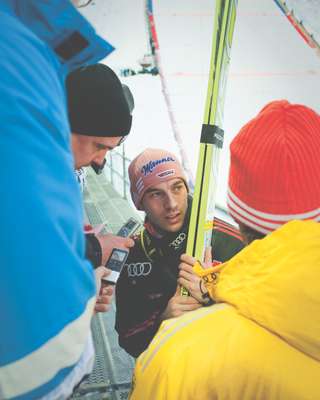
[[261, 221]]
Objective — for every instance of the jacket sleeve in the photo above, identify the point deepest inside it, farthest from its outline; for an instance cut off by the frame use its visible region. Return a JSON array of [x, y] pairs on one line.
[[93, 250], [137, 320]]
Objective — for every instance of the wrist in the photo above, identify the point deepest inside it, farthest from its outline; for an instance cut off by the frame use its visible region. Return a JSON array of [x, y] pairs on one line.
[[205, 297], [163, 316], [206, 300], [93, 249]]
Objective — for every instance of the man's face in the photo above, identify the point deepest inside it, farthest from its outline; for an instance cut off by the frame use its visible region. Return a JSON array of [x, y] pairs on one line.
[[166, 204], [89, 149]]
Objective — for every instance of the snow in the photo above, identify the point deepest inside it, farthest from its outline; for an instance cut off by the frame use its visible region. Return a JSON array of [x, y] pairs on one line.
[[269, 60]]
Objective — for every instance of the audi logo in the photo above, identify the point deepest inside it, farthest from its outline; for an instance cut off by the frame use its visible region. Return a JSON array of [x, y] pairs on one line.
[[139, 269], [178, 240]]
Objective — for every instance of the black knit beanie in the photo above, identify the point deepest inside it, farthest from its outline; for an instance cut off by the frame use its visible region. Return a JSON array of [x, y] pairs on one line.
[[98, 104]]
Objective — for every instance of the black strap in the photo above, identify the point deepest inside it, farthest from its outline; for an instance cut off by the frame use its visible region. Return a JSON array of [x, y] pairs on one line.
[[212, 134]]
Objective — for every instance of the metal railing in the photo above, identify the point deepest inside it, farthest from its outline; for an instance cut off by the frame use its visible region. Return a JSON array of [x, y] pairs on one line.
[[116, 171]]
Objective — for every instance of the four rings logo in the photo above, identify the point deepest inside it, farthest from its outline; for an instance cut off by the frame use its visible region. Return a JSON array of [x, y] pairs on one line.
[[139, 269], [178, 241]]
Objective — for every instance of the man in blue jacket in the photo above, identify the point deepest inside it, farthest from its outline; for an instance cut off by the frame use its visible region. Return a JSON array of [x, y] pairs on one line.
[[47, 288]]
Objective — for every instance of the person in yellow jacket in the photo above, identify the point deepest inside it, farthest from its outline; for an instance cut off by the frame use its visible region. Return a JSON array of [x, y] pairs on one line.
[[261, 340]]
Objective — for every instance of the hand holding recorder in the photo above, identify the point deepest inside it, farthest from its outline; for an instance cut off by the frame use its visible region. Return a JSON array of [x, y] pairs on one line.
[[115, 263]]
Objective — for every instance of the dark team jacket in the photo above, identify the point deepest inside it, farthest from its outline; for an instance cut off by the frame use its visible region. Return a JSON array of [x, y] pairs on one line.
[[149, 280]]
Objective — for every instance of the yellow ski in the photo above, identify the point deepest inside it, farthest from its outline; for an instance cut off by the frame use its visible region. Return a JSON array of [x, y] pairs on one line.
[[211, 141]]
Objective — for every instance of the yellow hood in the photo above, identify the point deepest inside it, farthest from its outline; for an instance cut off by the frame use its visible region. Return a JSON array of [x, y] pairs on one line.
[[275, 282]]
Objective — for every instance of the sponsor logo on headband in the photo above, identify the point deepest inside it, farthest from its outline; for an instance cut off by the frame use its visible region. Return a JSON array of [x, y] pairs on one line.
[[166, 173], [149, 167]]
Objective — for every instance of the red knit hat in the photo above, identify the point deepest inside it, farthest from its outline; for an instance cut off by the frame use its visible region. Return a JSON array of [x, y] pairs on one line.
[[151, 167], [275, 167]]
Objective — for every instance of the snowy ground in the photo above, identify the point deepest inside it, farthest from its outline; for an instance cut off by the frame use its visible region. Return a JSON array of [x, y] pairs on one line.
[[269, 61]]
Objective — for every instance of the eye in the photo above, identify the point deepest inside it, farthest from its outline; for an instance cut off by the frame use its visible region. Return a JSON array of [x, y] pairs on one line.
[[101, 146], [154, 195], [177, 189]]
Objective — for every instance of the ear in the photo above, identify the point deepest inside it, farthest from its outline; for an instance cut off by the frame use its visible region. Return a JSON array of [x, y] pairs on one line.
[[141, 204], [142, 207], [74, 141]]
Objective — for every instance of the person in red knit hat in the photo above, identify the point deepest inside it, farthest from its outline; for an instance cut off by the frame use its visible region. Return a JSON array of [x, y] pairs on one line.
[[261, 338], [274, 169]]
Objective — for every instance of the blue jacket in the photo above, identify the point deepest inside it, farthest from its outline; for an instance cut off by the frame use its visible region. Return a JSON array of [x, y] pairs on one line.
[[47, 288]]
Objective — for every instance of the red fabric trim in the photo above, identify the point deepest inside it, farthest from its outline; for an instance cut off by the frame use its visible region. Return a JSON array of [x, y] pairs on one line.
[[225, 224], [143, 326], [230, 233]]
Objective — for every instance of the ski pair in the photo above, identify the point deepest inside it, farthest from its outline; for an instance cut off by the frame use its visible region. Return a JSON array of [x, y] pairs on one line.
[[211, 140]]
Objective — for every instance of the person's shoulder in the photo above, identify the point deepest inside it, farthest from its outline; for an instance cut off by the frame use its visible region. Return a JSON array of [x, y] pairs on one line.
[[226, 228], [40, 81], [17, 40], [18, 45], [10, 25], [226, 240]]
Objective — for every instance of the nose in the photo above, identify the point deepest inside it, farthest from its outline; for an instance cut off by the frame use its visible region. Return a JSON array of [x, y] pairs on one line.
[[98, 168], [171, 201], [99, 157]]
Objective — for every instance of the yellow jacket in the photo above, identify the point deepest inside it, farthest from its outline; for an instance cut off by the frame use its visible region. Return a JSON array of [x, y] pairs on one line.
[[262, 341]]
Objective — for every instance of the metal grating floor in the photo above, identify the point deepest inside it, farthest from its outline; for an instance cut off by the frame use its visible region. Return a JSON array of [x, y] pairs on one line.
[[111, 376]]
